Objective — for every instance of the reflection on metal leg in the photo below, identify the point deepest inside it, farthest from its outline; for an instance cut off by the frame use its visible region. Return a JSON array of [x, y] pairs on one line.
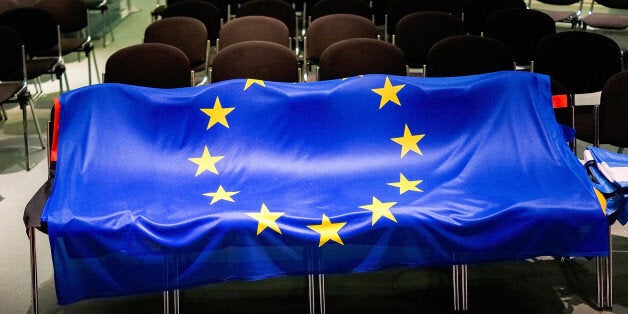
[[34, 284], [316, 282], [604, 275], [460, 288]]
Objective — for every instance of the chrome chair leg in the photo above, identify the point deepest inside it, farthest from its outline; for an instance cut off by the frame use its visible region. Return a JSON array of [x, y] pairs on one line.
[[460, 288], [316, 282], [33, 261]]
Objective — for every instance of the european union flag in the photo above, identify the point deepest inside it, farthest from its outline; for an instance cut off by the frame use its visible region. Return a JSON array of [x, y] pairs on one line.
[[246, 179]]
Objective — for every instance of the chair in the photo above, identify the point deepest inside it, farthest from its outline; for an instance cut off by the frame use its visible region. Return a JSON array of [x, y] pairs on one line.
[[135, 65], [582, 62], [333, 28], [476, 12], [328, 7], [614, 111], [260, 60], [40, 32], [13, 59], [467, 55], [357, 56], [205, 12], [222, 5], [397, 9], [606, 20], [558, 13], [417, 32], [253, 27], [278, 9], [71, 15], [101, 6], [186, 33], [521, 30]]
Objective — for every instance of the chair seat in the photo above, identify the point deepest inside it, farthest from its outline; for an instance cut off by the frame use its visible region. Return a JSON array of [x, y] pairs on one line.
[[9, 89], [34, 68], [68, 45], [606, 21], [559, 16], [96, 4]]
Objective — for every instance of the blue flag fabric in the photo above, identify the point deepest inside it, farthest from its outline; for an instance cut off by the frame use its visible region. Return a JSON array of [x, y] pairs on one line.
[[245, 179]]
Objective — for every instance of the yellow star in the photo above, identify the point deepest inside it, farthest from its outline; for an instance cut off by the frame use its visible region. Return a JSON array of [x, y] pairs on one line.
[[218, 114], [250, 82], [388, 93], [408, 142], [266, 219], [406, 185], [221, 194], [328, 231], [380, 209], [206, 162]]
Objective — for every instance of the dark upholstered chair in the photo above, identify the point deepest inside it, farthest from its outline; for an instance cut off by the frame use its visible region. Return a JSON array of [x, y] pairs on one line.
[[614, 111], [357, 56], [186, 33], [397, 9], [260, 60], [253, 27], [521, 30], [137, 65], [13, 59], [467, 55], [328, 7], [205, 12], [417, 32], [40, 32], [278, 9], [71, 15], [476, 12], [582, 62], [333, 28]]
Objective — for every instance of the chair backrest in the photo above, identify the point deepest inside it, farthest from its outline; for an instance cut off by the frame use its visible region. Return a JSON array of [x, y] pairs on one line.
[[614, 4], [205, 12], [10, 51], [186, 33], [466, 55], [261, 60], [278, 9], [253, 27], [149, 64], [614, 111], [417, 32], [71, 15], [37, 27], [6, 5], [328, 7], [222, 5], [581, 61], [397, 9], [333, 28], [520, 29], [476, 11], [357, 56]]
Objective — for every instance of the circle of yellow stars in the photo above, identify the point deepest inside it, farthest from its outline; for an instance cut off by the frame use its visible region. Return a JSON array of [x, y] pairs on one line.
[[327, 230]]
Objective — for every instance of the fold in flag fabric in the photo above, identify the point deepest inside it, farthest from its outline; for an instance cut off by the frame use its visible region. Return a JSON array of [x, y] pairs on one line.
[[244, 180], [610, 174]]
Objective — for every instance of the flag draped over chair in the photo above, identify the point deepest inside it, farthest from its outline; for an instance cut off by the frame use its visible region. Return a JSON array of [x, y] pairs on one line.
[[160, 189]]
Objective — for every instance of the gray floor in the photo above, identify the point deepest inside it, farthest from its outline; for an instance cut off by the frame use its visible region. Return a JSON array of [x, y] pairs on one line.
[[539, 286]]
